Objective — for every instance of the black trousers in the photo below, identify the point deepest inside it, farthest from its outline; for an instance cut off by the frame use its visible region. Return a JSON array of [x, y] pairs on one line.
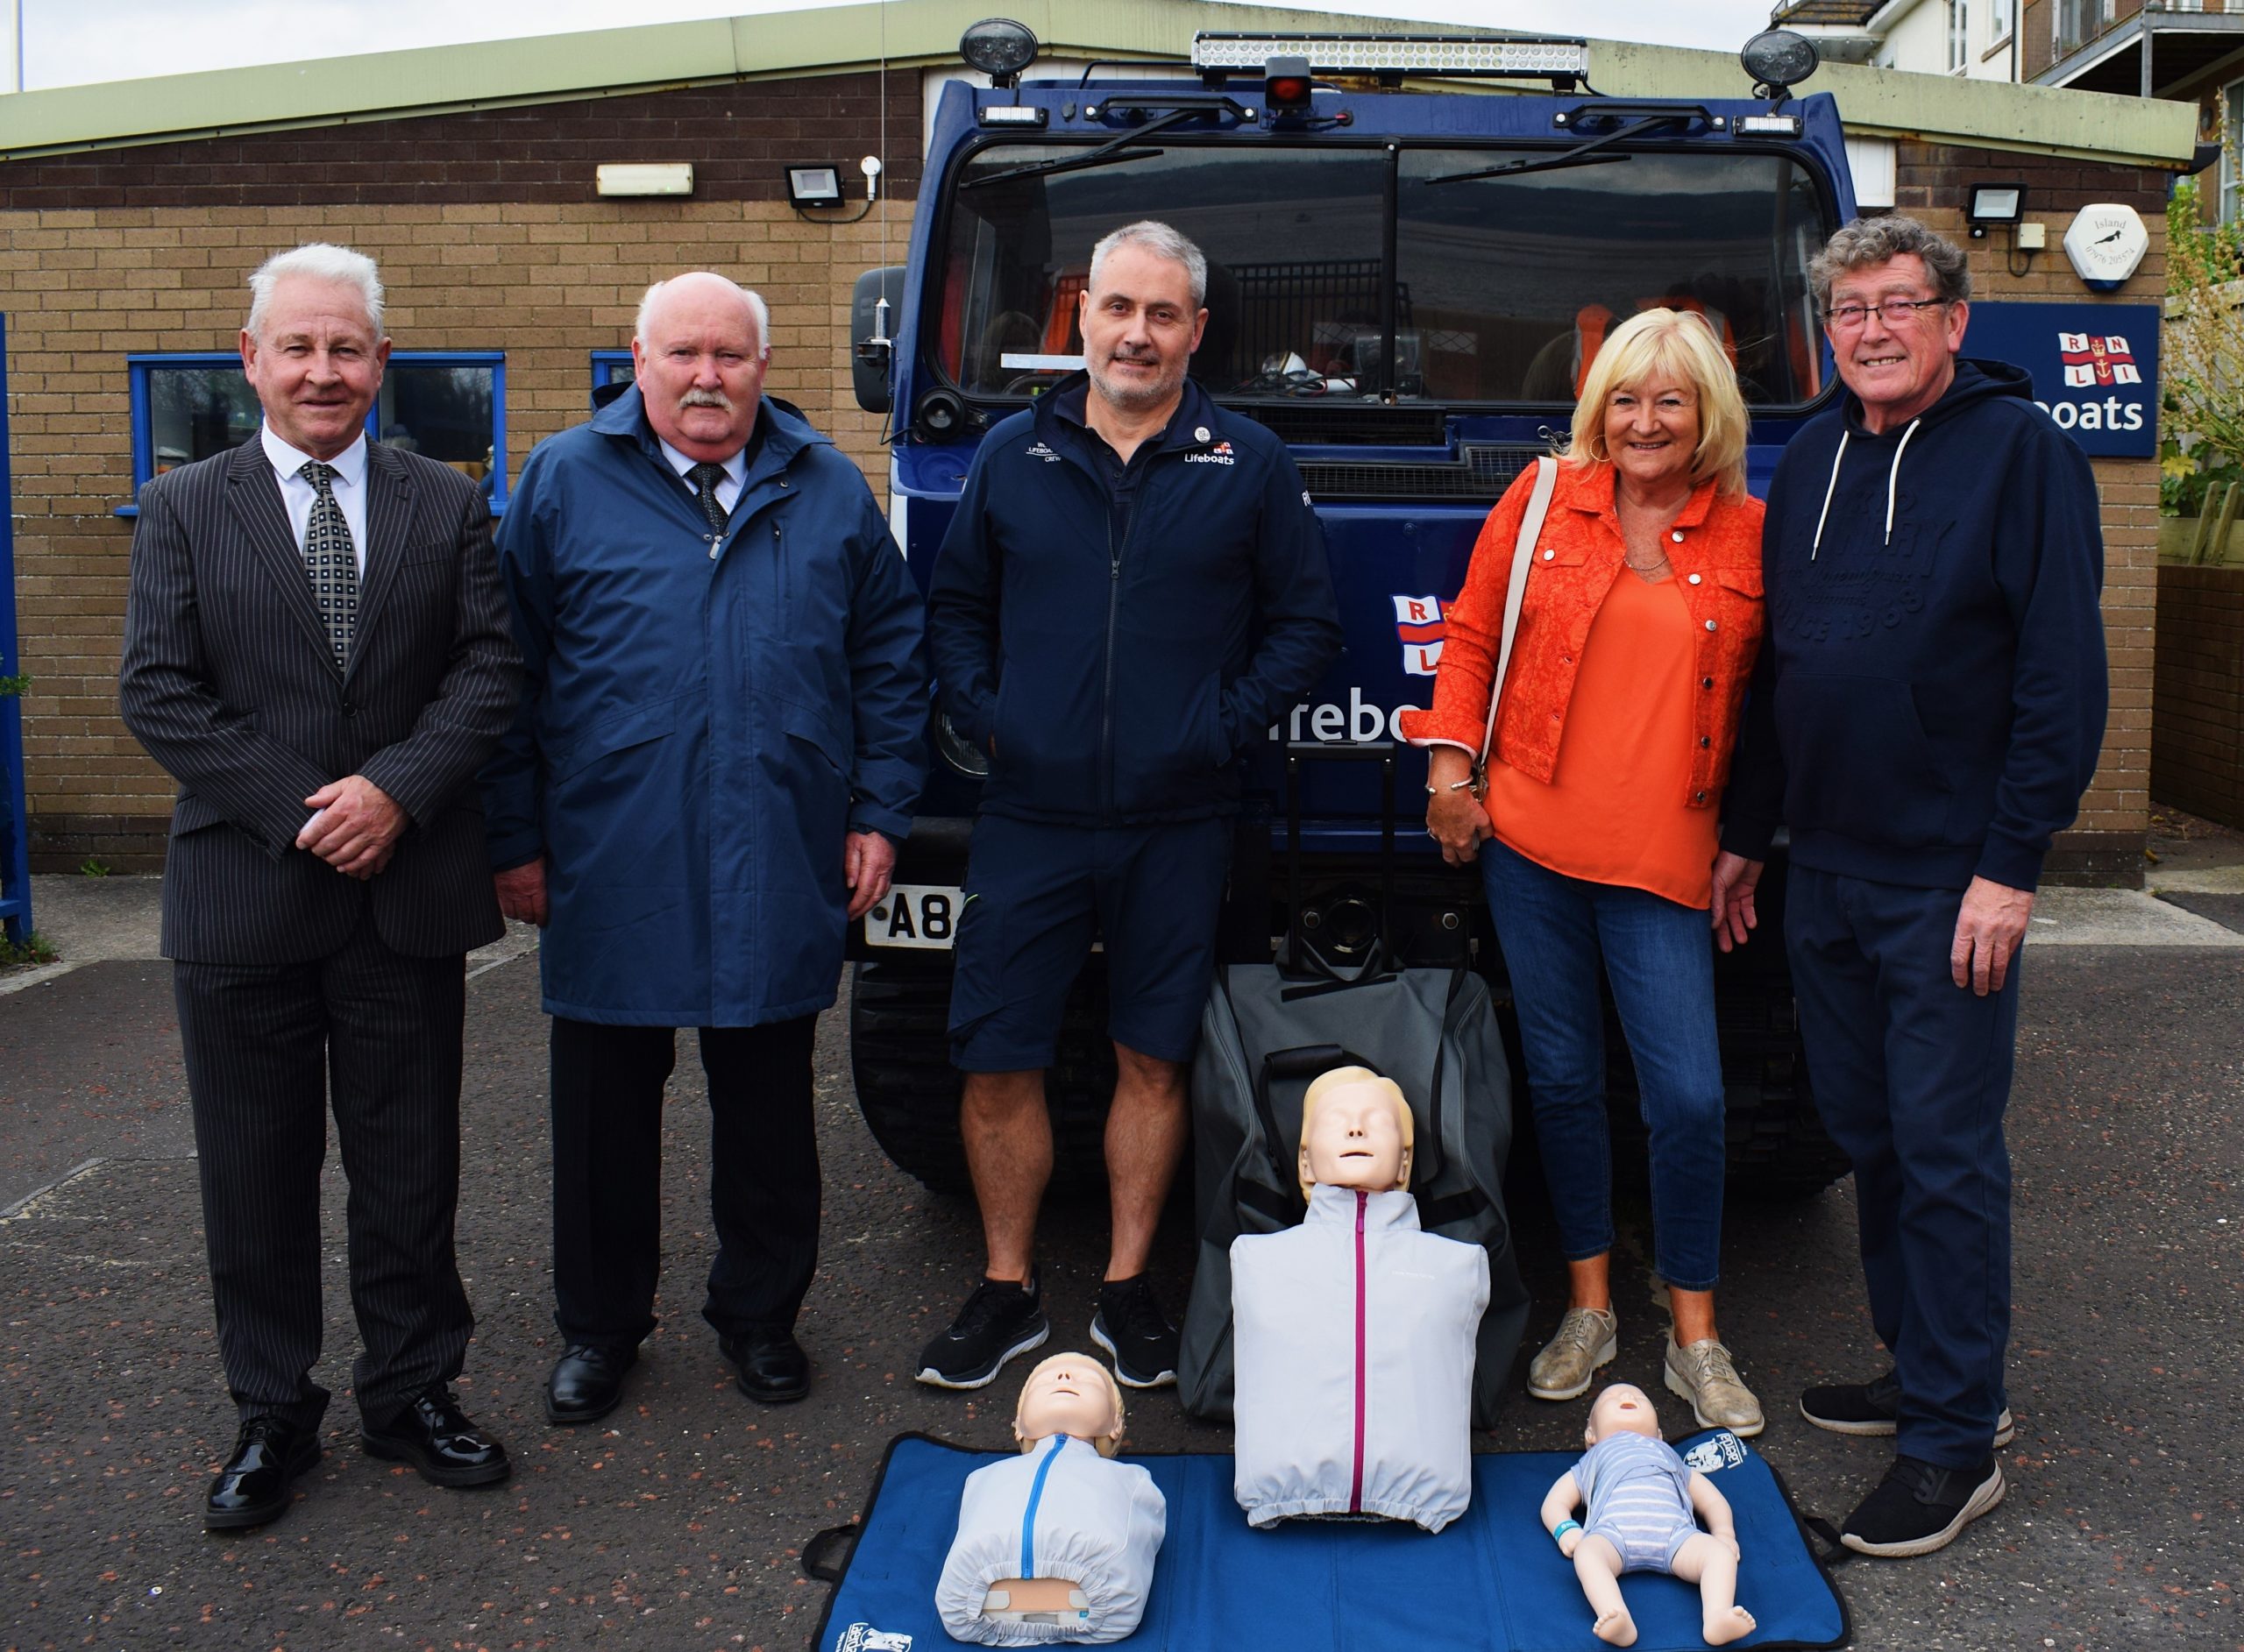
[[267, 1047], [763, 1192]]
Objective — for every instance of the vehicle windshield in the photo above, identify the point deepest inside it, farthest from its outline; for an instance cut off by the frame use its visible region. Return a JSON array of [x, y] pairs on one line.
[[1500, 290]]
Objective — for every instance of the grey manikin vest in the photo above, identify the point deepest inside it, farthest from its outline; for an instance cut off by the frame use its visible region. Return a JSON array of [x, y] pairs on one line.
[[1318, 1304], [1059, 1511]]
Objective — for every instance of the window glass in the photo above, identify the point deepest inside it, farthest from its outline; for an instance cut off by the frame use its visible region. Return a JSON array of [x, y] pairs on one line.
[[1509, 284], [197, 411], [1292, 237], [1497, 283], [442, 411]]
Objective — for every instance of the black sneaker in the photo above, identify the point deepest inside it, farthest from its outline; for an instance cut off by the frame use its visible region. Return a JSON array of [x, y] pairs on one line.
[[1919, 1507], [1130, 1325], [1001, 1319], [1874, 1407]]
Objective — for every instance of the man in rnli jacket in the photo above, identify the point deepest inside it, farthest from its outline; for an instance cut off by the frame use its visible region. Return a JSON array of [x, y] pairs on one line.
[[1134, 589]]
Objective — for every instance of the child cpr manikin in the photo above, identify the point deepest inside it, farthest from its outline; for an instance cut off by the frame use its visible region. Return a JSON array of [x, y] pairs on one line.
[[1059, 1543], [1643, 1509], [1354, 1333]]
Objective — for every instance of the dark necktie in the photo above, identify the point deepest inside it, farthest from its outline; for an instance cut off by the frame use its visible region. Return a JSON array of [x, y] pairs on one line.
[[705, 478], [332, 560]]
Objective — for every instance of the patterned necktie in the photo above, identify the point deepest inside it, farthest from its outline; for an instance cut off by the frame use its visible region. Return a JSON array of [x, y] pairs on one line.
[[331, 559], [705, 478]]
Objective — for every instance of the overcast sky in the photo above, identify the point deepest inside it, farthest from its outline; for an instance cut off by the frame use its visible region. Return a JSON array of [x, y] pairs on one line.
[[69, 42]]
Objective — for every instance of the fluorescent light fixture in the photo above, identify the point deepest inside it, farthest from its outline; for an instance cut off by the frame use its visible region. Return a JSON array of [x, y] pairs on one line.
[[646, 177], [814, 185], [1468, 55]]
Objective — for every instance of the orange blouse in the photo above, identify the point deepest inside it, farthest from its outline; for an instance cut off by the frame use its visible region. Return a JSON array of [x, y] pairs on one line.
[[1614, 811]]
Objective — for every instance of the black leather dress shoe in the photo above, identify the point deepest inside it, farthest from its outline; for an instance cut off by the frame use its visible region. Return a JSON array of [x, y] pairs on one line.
[[587, 1382], [772, 1365], [437, 1438], [253, 1487]]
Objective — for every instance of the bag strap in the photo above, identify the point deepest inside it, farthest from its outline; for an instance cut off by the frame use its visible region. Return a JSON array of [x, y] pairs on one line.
[[1523, 554]]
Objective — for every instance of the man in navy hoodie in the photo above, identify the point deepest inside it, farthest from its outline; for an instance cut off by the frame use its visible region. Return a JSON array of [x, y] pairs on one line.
[[1134, 588], [1926, 711]]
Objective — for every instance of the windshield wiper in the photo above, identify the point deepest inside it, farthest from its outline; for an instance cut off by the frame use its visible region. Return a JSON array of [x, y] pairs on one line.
[[1581, 155], [1127, 146]]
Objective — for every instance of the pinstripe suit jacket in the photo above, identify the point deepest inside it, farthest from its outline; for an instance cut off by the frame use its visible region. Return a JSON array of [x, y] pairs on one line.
[[229, 682]]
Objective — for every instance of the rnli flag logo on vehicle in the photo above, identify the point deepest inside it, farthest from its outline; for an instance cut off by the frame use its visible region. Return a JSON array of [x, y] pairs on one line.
[[1418, 623], [2097, 358]]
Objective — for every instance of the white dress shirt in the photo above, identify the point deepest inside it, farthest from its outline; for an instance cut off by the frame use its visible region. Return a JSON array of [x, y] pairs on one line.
[[728, 485], [299, 495]]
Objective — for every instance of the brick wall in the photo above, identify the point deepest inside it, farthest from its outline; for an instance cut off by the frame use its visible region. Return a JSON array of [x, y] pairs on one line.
[[2105, 843], [546, 274], [2197, 744]]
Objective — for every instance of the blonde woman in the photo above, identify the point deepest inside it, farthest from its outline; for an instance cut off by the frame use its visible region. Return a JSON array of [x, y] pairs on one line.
[[1596, 836]]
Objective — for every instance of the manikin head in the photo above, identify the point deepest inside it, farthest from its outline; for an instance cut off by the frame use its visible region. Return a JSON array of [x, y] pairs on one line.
[[1355, 1133], [1072, 1395], [1621, 1408]]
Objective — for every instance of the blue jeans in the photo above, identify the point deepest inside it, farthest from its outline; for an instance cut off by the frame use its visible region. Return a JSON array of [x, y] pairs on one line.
[[1659, 957]]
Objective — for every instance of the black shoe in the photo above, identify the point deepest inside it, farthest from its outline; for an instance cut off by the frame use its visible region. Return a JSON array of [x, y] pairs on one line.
[[587, 1382], [253, 1487], [1130, 1325], [1001, 1319], [437, 1438], [1919, 1507], [771, 1363], [1874, 1407]]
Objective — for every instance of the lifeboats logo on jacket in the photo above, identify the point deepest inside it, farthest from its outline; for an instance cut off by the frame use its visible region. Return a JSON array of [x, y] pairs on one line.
[[1037, 450], [1219, 454], [2097, 358], [1418, 622], [863, 1637]]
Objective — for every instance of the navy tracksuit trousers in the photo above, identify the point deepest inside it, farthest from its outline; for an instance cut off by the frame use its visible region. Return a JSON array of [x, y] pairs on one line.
[[1911, 1074]]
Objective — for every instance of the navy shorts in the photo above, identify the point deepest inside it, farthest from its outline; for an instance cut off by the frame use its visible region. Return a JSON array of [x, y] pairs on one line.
[[1036, 897]]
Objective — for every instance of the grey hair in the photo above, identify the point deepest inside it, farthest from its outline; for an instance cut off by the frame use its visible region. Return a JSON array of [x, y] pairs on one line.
[[1869, 241], [318, 261], [1163, 243], [758, 311]]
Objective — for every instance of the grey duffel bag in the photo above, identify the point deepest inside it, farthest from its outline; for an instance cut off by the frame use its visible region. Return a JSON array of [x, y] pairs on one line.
[[1264, 1035]]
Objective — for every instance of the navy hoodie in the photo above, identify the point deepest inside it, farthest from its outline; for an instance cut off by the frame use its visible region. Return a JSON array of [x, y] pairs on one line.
[[1929, 701]]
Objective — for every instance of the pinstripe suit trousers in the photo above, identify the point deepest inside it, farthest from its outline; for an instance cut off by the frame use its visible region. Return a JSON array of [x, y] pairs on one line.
[[265, 1046]]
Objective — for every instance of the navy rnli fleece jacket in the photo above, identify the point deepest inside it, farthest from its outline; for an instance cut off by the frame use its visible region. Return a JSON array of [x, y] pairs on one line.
[[1929, 700]]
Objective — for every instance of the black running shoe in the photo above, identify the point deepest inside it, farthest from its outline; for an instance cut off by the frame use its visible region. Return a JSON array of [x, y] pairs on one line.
[[1919, 1507], [1130, 1325], [1874, 1407], [1001, 1319]]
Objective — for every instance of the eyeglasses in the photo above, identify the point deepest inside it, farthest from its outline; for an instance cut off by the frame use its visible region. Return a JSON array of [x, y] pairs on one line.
[[1895, 311]]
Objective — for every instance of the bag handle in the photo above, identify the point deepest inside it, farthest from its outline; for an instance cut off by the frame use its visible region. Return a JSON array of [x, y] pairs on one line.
[[1523, 555]]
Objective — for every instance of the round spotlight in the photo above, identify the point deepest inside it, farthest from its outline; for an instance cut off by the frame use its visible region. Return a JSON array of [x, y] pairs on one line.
[[999, 47], [940, 415], [1777, 59]]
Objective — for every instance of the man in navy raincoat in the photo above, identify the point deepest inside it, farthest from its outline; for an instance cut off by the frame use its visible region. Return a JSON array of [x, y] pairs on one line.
[[718, 748]]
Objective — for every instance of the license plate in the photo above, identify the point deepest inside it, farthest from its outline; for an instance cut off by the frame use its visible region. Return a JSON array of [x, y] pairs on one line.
[[921, 915]]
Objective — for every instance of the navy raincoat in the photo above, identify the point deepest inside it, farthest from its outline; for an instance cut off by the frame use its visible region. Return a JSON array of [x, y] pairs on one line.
[[702, 720]]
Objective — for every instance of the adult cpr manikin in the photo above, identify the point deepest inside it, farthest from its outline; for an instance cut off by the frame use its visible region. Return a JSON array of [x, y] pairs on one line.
[[1059, 1543], [1354, 1331]]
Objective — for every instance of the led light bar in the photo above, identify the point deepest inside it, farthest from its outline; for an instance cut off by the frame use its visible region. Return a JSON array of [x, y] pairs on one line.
[[1010, 115], [1768, 126], [1470, 55]]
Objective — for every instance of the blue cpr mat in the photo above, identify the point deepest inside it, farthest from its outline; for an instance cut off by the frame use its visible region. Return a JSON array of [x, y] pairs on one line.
[[1493, 1580]]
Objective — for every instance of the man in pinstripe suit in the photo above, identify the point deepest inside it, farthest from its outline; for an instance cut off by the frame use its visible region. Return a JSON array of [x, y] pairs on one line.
[[317, 649]]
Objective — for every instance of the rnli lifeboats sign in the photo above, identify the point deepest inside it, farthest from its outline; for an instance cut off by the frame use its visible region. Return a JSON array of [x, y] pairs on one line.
[[2095, 367]]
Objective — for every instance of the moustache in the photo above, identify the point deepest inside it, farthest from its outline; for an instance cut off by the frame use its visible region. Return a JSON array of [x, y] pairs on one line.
[[717, 399]]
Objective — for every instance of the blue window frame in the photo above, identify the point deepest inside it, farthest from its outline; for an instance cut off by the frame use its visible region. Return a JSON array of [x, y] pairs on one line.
[[609, 367], [449, 405]]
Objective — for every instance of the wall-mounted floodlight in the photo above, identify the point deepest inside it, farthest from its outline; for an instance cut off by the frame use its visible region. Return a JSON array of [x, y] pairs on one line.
[[1993, 203], [999, 47], [657, 178], [1777, 59], [814, 185]]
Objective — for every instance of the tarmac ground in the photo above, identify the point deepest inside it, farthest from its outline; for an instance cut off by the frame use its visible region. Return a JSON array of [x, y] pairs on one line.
[[680, 1523]]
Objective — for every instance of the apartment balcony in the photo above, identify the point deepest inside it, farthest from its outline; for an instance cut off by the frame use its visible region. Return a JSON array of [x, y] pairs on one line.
[[2164, 50]]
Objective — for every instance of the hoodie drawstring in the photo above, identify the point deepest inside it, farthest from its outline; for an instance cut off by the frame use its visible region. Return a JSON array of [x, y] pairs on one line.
[[1892, 485]]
